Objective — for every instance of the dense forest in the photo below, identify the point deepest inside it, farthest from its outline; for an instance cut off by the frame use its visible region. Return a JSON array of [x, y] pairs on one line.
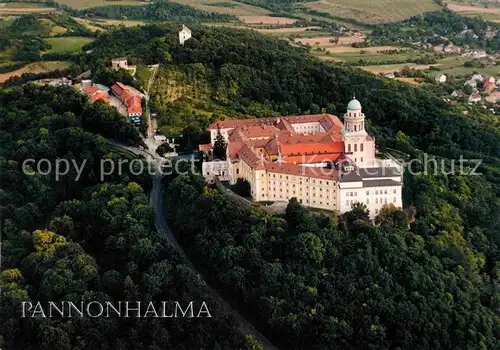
[[308, 283], [91, 239], [440, 27], [308, 280]]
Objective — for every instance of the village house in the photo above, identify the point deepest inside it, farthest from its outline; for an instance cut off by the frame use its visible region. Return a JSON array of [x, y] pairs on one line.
[[488, 86]]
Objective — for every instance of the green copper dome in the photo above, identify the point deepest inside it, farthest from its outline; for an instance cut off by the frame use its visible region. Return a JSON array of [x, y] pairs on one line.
[[354, 104]]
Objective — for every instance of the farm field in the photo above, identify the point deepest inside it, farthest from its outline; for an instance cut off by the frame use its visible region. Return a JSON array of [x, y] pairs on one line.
[[390, 68], [84, 4], [455, 66], [487, 13], [19, 8], [344, 41], [266, 20], [229, 7], [373, 11], [67, 44], [36, 67]]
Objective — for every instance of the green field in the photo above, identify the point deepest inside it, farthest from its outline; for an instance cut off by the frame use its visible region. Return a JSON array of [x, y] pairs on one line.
[[67, 44], [36, 67], [373, 11]]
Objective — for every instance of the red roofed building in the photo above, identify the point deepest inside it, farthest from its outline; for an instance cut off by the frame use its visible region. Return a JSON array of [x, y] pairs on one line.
[[95, 94], [129, 98], [306, 157]]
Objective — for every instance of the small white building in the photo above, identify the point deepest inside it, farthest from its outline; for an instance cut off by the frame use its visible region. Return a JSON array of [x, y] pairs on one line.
[[184, 34], [120, 62], [441, 78]]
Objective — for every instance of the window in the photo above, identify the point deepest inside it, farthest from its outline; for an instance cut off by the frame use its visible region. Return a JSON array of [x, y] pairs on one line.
[[385, 200], [376, 192], [376, 211], [237, 171], [352, 195], [394, 191], [300, 201], [262, 189], [208, 173], [376, 200], [361, 159], [394, 200], [367, 200], [349, 148], [361, 147], [367, 193], [355, 147], [385, 191]]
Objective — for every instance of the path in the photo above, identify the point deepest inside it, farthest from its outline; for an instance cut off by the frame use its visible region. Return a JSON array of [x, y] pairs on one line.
[[156, 200], [150, 132]]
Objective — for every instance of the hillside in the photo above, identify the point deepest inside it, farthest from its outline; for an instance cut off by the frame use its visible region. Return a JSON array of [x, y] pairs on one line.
[[223, 72]]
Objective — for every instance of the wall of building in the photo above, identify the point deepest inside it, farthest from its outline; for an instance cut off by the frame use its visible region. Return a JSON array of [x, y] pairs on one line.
[[307, 128]]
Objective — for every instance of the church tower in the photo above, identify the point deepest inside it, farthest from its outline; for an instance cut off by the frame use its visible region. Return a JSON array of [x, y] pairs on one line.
[[359, 146], [354, 119]]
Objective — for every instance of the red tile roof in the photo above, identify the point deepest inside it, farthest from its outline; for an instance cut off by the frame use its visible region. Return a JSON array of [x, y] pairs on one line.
[[312, 148], [206, 147]]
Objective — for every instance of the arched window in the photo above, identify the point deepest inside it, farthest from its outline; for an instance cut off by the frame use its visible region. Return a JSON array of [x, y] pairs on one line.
[[355, 147], [355, 128], [361, 147], [349, 148]]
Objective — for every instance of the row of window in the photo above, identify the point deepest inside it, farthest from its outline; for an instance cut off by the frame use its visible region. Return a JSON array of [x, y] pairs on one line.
[[377, 192], [361, 147], [377, 201]]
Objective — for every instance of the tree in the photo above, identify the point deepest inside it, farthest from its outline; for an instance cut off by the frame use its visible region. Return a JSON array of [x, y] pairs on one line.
[[220, 146]]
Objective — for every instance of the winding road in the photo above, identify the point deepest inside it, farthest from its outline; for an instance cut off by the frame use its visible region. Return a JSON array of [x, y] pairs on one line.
[[156, 200]]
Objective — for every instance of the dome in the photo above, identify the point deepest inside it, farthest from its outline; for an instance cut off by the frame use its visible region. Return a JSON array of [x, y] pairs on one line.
[[354, 105]]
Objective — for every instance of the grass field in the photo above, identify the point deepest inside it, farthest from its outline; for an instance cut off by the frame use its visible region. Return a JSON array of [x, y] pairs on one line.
[[266, 20], [390, 68], [374, 11], [229, 7], [487, 13], [36, 67], [19, 8], [67, 44], [83, 4]]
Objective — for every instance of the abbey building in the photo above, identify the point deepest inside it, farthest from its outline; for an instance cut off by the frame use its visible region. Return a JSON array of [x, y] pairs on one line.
[[321, 161]]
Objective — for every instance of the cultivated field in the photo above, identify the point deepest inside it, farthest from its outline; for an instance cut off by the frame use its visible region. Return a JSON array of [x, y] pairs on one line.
[[83, 4], [487, 13], [391, 68], [373, 11], [229, 7], [36, 67], [18, 8], [343, 41], [67, 44], [266, 20], [293, 30]]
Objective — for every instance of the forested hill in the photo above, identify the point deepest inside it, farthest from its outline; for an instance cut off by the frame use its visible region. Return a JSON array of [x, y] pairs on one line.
[[434, 285], [84, 238]]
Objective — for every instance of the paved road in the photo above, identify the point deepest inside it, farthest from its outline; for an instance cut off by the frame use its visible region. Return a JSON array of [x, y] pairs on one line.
[[156, 200]]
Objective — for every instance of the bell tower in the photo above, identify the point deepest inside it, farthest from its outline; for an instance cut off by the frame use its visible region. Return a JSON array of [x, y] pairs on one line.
[[359, 146], [354, 119]]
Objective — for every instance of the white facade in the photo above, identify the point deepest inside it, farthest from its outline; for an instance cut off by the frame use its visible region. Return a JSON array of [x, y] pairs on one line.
[[364, 179], [184, 34], [218, 168]]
